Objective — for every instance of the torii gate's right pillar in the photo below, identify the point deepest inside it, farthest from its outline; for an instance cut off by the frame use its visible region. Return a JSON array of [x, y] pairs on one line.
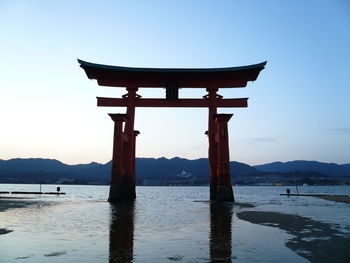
[[224, 188], [218, 154]]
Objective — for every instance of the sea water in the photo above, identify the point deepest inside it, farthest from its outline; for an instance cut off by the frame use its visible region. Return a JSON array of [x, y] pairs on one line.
[[164, 224]]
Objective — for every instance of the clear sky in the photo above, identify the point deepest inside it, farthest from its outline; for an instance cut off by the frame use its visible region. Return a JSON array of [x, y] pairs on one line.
[[299, 108]]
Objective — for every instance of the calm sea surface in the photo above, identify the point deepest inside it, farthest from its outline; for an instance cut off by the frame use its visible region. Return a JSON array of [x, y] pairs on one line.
[[164, 224]]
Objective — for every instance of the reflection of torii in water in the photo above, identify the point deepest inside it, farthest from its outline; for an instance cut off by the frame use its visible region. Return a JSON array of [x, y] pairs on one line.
[[220, 238], [121, 232], [122, 225], [123, 161]]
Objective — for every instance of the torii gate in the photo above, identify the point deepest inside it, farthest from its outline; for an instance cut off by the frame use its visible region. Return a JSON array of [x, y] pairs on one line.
[[123, 162]]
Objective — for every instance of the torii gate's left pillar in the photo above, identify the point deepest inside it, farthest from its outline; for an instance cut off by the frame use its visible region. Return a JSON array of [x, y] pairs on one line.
[[117, 186], [123, 187]]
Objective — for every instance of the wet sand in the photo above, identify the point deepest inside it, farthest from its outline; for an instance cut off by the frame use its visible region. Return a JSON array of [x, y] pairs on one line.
[[239, 204], [4, 231], [316, 241], [7, 203], [336, 198]]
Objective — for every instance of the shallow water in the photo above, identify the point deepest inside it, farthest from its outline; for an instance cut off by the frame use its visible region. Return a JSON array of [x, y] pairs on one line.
[[164, 224]]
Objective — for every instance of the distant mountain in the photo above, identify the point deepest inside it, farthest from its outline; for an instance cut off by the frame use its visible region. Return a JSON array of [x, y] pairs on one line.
[[241, 169], [347, 165], [18, 165], [168, 171], [304, 166], [34, 169], [162, 167]]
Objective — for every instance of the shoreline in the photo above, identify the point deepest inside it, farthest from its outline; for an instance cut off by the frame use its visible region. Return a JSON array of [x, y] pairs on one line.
[[328, 197], [316, 241], [336, 198]]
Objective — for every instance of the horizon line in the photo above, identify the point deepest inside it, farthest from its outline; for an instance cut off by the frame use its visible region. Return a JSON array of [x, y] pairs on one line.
[[176, 157]]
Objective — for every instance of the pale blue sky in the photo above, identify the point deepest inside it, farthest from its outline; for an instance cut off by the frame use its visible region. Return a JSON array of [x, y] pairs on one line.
[[298, 108]]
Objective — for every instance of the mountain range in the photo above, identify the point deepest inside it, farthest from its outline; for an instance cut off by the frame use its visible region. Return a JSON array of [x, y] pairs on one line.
[[176, 171], [324, 168]]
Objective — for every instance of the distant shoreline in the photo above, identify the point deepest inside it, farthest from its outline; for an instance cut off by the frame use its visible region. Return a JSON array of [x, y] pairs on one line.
[[184, 185]]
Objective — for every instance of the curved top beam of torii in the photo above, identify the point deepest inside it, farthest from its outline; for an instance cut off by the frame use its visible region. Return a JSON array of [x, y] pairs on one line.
[[116, 76]]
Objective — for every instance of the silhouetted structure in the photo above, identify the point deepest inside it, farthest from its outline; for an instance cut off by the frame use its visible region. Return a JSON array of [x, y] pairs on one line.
[[123, 168]]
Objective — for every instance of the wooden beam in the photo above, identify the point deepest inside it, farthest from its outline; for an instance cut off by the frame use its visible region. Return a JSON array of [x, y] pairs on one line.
[[181, 103]]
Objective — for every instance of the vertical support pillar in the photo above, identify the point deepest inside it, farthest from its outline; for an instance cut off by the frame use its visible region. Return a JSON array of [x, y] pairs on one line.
[[129, 129], [126, 189], [123, 162], [116, 191], [224, 188], [134, 156], [212, 152]]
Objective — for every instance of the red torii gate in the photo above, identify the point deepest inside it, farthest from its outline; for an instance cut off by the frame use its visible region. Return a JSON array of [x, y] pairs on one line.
[[123, 162]]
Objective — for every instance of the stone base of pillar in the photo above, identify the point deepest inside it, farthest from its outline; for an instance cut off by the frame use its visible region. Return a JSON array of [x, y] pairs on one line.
[[121, 192], [224, 193]]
